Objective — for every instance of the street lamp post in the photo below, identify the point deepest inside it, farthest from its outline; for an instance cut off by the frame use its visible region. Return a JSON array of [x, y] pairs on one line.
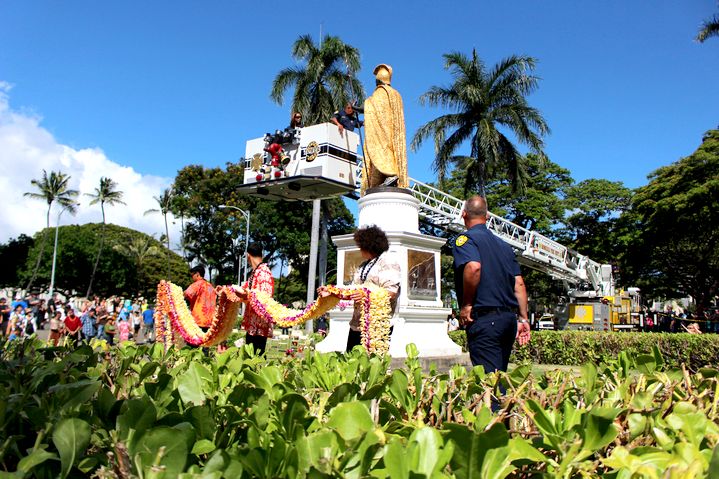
[[54, 252], [246, 214]]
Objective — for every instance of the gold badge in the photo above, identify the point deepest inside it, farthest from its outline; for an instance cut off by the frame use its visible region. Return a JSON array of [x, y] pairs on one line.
[[312, 150], [461, 239], [256, 164]]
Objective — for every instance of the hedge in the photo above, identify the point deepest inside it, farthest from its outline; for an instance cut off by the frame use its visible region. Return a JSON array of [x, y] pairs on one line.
[[578, 347]]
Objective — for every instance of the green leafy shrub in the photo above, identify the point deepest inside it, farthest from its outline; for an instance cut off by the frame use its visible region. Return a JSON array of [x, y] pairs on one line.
[[139, 411], [574, 348]]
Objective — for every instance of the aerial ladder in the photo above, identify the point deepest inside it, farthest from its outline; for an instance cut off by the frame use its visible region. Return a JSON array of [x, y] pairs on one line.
[[595, 303]]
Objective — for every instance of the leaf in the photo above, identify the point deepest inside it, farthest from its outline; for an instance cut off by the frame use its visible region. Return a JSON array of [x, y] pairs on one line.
[[637, 424], [38, 456], [147, 370], [658, 358], [315, 448], [88, 464], [71, 437], [203, 446], [189, 385], [395, 460], [162, 446], [430, 445], [350, 420], [76, 393], [497, 464], [470, 447], [542, 420], [713, 472], [202, 420], [139, 414], [600, 429], [646, 363], [398, 389]]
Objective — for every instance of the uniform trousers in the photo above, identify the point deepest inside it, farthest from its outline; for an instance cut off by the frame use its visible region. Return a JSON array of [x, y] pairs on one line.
[[490, 338]]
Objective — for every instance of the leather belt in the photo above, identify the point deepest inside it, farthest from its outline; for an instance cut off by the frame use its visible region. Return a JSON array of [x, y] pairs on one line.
[[480, 311]]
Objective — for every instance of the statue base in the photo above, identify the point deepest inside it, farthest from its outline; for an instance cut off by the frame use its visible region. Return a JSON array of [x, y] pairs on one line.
[[421, 317]]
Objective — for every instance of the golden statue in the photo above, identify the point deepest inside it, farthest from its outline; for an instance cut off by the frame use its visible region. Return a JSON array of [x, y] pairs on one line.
[[385, 144]]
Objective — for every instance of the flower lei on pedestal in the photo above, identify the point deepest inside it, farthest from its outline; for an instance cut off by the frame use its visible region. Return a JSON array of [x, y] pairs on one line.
[[174, 320], [375, 312]]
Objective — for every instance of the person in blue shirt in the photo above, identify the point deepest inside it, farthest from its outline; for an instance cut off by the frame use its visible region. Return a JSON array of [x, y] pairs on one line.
[[88, 324], [148, 319], [490, 291], [346, 119], [19, 302]]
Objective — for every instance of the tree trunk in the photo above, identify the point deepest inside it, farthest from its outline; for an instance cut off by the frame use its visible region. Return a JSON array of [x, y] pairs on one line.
[[99, 252], [42, 250], [482, 179], [182, 239], [167, 253]]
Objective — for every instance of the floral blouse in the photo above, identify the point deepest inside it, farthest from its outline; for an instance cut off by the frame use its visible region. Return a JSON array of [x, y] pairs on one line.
[[383, 271], [261, 280]]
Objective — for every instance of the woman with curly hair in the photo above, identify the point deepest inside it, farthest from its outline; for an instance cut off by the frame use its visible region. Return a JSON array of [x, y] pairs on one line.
[[379, 268]]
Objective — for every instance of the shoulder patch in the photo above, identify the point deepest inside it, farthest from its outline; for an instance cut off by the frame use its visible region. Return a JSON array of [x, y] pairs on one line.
[[461, 239]]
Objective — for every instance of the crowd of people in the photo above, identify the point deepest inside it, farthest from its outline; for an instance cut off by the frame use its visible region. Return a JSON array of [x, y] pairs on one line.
[[113, 319], [671, 320]]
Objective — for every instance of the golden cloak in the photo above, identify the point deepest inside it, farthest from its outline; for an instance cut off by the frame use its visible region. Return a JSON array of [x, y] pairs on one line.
[[385, 144]]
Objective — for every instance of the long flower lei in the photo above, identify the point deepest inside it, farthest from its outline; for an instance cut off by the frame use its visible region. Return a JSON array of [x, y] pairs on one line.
[[374, 312], [173, 318], [174, 321]]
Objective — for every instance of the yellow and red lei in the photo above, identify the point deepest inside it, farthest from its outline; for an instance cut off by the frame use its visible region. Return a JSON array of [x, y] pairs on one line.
[[174, 320]]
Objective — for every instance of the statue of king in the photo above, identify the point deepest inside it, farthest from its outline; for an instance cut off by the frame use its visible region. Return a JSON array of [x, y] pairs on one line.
[[385, 145]]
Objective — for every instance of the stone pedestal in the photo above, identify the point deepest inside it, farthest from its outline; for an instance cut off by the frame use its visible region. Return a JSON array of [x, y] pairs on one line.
[[420, 317]]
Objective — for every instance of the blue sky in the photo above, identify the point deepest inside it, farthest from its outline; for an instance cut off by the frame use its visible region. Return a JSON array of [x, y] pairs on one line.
[[153, 86]]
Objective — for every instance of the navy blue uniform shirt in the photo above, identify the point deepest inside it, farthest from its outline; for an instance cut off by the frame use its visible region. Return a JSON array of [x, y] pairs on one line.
[[499, 267], [350, 122]]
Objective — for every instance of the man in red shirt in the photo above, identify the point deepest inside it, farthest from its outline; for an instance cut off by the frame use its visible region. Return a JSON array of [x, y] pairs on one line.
[[202, 297], [73, 325]]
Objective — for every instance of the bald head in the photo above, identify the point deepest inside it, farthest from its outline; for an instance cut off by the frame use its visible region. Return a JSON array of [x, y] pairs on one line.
[[476, 207], [475, 211]]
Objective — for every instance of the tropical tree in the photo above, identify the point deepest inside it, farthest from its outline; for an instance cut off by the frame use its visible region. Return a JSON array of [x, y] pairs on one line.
[[179, 209], [106, 193], [541, 205], [13, 256], [324, 81], [117, 273], [164, 201], [51, 188], [710, 28], [485, 103], [678, 240], [139, 249]]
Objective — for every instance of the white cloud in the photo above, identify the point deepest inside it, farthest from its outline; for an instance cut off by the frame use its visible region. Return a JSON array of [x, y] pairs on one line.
[[26, 148]]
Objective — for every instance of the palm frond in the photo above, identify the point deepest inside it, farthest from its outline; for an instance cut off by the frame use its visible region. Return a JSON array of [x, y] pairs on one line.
[[284, 80], [708, 29]]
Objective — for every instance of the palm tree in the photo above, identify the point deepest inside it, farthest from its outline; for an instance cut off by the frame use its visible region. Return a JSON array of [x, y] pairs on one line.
[[710, 28], [51, 189], [483, 102], [106, 193], [164, 201], [324, 82], [138, 249]]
